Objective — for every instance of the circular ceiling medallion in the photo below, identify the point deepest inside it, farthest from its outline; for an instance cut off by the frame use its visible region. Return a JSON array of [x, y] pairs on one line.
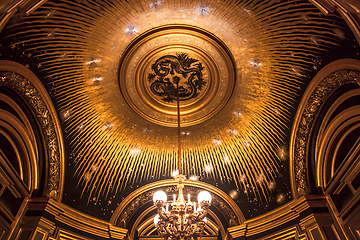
[[171, 57]]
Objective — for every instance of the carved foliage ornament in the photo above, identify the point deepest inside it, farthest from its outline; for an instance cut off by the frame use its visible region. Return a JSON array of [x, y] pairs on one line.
[[172, 71], [317, 98], [26, 89]]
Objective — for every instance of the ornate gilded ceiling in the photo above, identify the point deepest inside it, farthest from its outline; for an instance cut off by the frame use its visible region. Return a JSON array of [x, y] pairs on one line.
[[111, 68]]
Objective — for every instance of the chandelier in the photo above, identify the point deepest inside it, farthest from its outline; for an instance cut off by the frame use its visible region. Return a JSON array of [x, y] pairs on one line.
[[181, 219]]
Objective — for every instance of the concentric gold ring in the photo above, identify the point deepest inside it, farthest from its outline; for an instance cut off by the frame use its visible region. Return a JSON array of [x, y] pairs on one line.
[[217, 71]]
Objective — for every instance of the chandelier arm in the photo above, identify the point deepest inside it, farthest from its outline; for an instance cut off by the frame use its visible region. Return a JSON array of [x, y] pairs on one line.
[[193, 231], [174, 227], [203, 214], [201, 229], [168, 230], [162, 230], [179, 227], [162, 215]]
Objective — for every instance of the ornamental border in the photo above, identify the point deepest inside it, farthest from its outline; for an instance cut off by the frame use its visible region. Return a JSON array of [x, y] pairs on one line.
[[26, 89], [318, 96]]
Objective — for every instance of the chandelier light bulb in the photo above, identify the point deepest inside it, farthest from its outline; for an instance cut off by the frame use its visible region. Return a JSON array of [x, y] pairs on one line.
[[204, 196], [160, 196], [156, 219]]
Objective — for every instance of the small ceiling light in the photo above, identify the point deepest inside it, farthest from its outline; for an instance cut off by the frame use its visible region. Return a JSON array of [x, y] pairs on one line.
[[92, 61], [147, 130], [185, 133], [107, 126], [246, 143], [81, 127], [226, 159], [237, 113], [233, 194], [175, 173], [340, 34], [94, 167], [51, 34], [282, 153], [233, 132], [204, 10], [97, 79], [280, 198], [208, 168], [156, 4], [255, 63], [271, 185], [194, 177], [65, 115], [314, 41], [242, 178], [247, 11], [131, 30], [217, 142], [87, 176], [134, 151], [276, 111], [260, 178]]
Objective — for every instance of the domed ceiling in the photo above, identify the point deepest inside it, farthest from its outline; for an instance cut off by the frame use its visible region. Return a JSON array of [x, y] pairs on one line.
[[112, 67]]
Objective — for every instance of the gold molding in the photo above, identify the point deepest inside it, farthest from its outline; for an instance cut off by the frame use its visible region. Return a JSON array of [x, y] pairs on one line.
[[351, 22], [297, 210], [25, 82], [137, 225], [324, 128], [22, 115], [348, 118], [333, 75], [75, 220], [287, 233], [346, 11], [20, 136]]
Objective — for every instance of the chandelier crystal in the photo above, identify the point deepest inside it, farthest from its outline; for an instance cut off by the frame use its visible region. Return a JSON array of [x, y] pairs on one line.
[[181, 219]]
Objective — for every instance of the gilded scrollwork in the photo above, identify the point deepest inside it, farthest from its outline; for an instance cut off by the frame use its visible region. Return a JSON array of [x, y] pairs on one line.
[[26, 89], [146, 197], [317, 98]]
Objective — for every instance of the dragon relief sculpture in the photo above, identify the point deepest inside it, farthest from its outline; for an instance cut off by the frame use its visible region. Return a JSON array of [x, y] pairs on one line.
[[176, 72]]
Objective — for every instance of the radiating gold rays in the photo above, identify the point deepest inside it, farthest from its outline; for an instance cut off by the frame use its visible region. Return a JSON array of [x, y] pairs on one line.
[[80, 44]]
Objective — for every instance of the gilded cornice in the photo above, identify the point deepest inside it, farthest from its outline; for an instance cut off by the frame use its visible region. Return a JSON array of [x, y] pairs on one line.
[[331, 77], [280, 217], [75, 220], [12, 75]]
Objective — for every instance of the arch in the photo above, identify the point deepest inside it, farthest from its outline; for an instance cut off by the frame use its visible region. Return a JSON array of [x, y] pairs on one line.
[[329, 143], [142, 197], [328, 79], [18, 136], [23, 82]]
